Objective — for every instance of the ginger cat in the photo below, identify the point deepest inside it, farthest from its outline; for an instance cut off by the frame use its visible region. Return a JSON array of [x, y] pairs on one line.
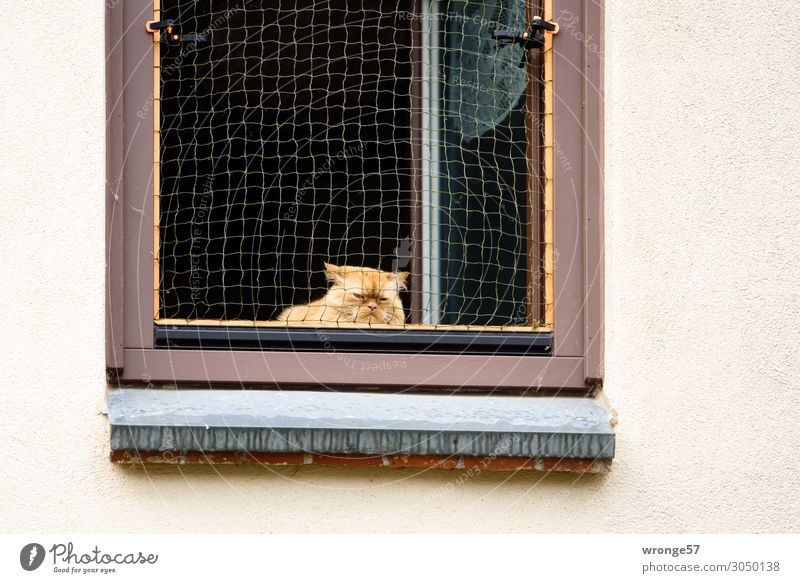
[[357, 294]]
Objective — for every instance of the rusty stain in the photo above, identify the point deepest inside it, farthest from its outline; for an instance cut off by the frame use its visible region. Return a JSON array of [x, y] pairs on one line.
[[497, 463], [346, 460], [500, 464], [423, 461], [587, 466]]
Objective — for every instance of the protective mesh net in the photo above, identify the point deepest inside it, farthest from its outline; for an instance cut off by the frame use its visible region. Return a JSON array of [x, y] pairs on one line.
[[362, 133]]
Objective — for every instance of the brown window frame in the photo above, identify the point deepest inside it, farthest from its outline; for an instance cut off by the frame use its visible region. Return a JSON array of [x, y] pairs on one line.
[[576, 362]]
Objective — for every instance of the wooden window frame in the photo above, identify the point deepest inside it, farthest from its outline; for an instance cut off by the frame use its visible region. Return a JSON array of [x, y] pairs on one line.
[[573, 266]]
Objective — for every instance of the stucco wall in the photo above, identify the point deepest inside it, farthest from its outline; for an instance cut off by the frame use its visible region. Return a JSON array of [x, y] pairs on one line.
[[703, 273]]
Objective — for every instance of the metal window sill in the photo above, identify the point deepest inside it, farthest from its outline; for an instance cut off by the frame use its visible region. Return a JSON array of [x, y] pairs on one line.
[[364, 429]]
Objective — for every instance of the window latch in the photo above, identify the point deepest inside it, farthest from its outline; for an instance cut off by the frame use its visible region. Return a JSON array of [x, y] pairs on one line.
[[168, 31], [533, 38]]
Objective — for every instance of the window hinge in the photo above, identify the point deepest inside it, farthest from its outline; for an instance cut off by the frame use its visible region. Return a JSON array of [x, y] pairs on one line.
[[533, 38], [168, 31]]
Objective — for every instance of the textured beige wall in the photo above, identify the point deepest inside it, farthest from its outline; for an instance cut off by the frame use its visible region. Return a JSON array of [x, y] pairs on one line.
[[703, 140]]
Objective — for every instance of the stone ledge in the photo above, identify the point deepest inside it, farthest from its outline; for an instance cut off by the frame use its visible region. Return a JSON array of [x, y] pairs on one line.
[[236, 426]]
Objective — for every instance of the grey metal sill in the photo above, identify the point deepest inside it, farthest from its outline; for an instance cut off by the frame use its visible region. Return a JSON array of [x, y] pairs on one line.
[[306, 422]]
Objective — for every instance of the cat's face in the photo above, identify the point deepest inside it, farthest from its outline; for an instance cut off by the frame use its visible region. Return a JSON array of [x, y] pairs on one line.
[[368, 295]]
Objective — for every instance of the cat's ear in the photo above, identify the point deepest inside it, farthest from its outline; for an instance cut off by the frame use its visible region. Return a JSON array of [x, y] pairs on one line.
[[333, 273], [400, 278]]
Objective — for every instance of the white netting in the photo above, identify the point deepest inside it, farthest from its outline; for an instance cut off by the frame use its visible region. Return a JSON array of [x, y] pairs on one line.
[[355, 133]]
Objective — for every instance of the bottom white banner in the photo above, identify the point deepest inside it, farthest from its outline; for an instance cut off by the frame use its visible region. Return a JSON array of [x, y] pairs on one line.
[[400, 558]]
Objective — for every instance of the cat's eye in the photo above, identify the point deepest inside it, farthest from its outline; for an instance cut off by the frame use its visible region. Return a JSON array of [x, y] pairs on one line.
[[358, 296], [383, 299]]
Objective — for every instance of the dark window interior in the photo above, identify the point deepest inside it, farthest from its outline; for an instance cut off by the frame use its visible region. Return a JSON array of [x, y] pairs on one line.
[[485, 245], [286, 142]]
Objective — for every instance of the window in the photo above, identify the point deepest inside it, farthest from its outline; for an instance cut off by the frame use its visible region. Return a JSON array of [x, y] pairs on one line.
[[252, 143]]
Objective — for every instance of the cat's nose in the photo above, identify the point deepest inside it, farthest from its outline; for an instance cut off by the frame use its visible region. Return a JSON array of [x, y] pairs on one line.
[[372, 305]]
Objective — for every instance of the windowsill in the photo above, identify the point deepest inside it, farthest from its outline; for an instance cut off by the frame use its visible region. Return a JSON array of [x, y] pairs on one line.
[[302, 427]]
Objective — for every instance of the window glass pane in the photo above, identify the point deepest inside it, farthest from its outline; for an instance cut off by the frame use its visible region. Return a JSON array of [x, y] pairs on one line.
[[351, 133], [484, 168]]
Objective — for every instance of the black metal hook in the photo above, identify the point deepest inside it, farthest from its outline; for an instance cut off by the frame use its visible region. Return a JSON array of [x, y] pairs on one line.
[[169, 32], [533, 38]]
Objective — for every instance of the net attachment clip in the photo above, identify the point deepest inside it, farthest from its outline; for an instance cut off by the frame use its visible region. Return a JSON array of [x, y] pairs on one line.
[[533, 38], [168, 31]]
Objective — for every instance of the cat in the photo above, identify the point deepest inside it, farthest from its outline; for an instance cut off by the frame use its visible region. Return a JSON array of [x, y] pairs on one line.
[[357, 294]]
